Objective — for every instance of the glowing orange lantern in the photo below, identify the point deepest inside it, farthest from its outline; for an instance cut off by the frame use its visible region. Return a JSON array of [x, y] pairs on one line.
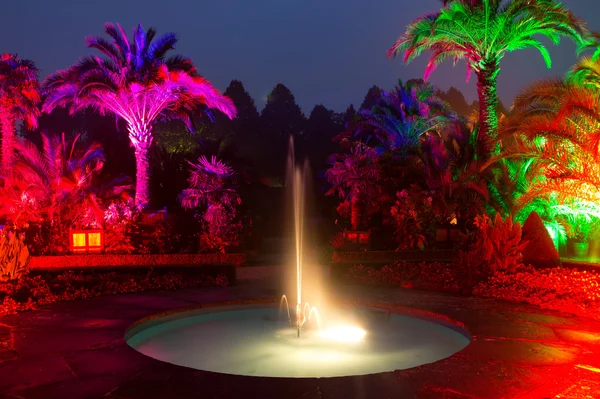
[[87, 240]]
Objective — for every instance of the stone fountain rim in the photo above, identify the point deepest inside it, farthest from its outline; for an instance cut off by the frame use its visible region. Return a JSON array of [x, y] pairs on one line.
[[179, 313]]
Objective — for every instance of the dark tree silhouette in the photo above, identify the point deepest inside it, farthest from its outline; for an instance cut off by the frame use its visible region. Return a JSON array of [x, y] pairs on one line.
[[371, 98]]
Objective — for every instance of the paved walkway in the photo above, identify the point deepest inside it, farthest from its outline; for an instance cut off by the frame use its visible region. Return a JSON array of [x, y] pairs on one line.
[[76, 350]]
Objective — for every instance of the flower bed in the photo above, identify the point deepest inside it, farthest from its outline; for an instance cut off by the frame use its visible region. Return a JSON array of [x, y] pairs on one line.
[[127, 260], [29, 292], [565, 290]]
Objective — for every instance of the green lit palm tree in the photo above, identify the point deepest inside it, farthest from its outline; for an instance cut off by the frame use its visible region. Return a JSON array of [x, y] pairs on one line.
[[19, 100], [586, 72], [481, 32], [139, 84]]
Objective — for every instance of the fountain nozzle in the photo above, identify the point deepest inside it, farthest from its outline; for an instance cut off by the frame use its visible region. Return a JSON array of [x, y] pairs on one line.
[[299, 318]]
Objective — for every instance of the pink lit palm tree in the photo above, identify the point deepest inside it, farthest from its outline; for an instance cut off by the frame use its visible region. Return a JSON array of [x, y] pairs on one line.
[[136, 82], [19, 99]]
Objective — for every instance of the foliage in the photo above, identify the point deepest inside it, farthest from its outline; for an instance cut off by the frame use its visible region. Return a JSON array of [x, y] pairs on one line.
[[399, 118], [59, 188], [19, 100], [499, 242], [556, 123], [355, 179], [136, 82], [19, 89], [481, 32], [414, 218], [14, 255], [213, 188], [29, 292], [565, 290], [121, 223], [582, 219]]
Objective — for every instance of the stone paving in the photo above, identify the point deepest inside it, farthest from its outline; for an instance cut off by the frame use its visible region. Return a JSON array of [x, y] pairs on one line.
[[77, 350]]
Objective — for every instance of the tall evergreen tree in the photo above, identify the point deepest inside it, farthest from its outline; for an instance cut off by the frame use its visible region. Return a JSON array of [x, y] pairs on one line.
[[371, 98]]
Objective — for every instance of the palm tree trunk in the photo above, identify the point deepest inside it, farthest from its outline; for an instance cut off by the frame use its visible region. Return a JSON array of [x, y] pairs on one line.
[[354, 213], [142, 175], [488, 102], [7, 123]]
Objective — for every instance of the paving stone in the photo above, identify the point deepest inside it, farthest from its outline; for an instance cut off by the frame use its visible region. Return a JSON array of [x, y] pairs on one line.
[[521, 352], [30, 342], [33, 371]]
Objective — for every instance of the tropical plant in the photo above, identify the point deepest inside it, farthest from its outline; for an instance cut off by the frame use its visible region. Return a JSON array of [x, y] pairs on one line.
[[414, 218], [19, 100], [59, 186], [446, 164], [400, 118], [14, 255], [557, 124], [136, 82], [213, 187], [499, 243], [481, 32], [355, 177]]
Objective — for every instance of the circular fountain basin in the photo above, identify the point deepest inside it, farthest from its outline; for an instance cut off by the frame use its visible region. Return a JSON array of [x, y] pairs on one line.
[[255, 341]]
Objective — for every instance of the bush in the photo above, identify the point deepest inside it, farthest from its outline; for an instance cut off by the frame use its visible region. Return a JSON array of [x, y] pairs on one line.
[[540, 251], [30, 292]]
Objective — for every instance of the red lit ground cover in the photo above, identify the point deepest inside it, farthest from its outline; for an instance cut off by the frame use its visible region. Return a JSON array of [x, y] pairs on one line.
[[564, 290], [30, 292]]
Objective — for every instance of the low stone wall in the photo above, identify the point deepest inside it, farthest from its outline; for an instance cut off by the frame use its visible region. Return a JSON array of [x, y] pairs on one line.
[[126, 260]]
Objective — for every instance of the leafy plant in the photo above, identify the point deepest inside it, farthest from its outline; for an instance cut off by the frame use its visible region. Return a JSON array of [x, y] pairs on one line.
[[213, 188], [14, 255], [121, 221], [355, 178], [500, 242], [413, 218], [19, 100]]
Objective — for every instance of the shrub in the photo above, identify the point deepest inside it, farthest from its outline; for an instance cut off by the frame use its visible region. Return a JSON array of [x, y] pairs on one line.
[[120, 222], [14, 255], [213, 186], [540, 250], [499, 243], [413, 216]]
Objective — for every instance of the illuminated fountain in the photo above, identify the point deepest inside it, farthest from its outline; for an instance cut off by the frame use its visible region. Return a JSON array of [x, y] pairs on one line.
[[274, 340], [305, 313]]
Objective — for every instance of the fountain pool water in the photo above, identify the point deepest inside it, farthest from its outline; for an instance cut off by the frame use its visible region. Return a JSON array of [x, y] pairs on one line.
[[296, 341], [253, 340]]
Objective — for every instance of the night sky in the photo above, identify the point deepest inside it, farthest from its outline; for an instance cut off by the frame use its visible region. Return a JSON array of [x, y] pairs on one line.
[[325, 51]]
